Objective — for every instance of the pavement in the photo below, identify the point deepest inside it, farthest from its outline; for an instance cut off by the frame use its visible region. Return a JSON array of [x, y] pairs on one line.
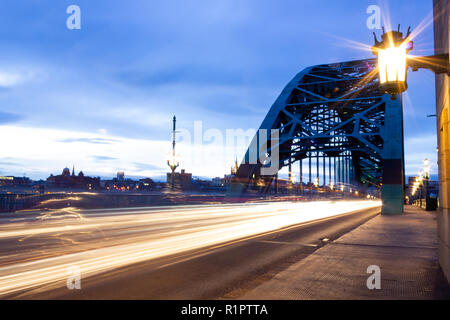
[[405, 248]]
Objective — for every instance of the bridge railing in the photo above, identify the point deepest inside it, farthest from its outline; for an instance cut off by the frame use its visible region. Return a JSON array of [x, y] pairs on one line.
[[14, 202], [429, 204]]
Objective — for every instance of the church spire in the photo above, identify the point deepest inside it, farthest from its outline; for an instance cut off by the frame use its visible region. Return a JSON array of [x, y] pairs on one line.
[[235, 168]]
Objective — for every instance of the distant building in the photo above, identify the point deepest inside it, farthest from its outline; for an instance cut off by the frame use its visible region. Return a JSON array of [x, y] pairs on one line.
[[67, 180], [217, 182], [121, 176], [182, 179], [228, 178], [12, 181], [235, 168], [146, 184], [121, 184], [200, 184]]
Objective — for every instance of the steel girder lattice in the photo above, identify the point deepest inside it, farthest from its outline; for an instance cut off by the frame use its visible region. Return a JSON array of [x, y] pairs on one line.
[[331, 112]]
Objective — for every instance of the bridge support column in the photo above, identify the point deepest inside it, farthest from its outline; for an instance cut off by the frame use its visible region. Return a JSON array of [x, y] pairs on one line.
[[393, 165]]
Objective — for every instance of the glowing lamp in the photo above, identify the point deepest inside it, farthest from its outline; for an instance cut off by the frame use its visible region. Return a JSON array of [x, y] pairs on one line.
[[293, 179], [173, 161], [426, 169], [392, 61], [316, 182]]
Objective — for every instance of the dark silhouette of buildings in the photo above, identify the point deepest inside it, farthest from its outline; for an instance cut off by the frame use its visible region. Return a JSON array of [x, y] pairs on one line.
[[182, 180], [67, 180], [14, 181], [120, 183]]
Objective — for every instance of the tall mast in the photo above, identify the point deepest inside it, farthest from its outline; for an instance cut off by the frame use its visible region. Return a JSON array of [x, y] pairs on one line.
[[173, 136], [172, 163]]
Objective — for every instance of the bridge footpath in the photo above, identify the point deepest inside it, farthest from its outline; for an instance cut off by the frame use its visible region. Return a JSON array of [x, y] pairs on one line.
[[404, 247]]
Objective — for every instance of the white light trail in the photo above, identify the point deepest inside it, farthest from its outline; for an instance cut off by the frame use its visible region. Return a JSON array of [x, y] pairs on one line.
[[131, 236]]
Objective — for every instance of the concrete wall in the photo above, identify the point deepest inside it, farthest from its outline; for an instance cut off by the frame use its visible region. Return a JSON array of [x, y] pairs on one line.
[[441, 44]]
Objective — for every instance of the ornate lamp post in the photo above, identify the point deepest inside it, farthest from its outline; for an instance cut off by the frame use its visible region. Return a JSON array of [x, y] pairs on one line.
[[316, 185], [393, 62], [420, 179], [426, 170], [418, 184], [172, 161], [391, 53], [173, 165], [293, 181]]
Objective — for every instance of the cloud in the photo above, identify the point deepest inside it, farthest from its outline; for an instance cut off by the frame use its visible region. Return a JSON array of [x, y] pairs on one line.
[[89, 140], [6, 117], [10, 163], [9, 79], [137, 157], [417, 148], [103, 158], [145, 166]]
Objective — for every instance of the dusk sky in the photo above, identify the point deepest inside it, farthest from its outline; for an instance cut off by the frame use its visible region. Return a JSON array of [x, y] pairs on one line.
[[102, 98]]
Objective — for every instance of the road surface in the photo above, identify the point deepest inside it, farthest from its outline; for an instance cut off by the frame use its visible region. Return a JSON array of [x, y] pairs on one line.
[[176, 252]]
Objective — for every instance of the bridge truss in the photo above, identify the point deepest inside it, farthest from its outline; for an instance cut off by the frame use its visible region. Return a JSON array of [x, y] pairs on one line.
[[330, 119]]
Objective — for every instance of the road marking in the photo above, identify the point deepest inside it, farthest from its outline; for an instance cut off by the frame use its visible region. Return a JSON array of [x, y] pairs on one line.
[[289, 243]]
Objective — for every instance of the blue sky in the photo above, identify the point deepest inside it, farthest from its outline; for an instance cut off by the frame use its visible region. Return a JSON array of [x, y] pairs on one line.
[[102, 98]]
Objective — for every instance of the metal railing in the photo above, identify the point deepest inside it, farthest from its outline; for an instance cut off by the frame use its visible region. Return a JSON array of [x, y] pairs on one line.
[[429, 204], [14, 202]]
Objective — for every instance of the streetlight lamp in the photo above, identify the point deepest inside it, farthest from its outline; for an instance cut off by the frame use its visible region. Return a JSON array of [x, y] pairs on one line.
[[392, 63], [316, 182], [420, 185], [417, 185], [173, 164], [293, 181], [426, 170]]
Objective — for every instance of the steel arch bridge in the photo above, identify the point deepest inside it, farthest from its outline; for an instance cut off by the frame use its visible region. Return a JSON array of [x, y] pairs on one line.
[[330, 115]]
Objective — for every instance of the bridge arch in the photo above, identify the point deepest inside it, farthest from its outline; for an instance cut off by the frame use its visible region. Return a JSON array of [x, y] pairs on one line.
[[332, 117]]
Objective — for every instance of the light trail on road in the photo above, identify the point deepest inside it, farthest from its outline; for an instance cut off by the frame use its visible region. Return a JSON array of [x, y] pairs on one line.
[[39, 251]]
